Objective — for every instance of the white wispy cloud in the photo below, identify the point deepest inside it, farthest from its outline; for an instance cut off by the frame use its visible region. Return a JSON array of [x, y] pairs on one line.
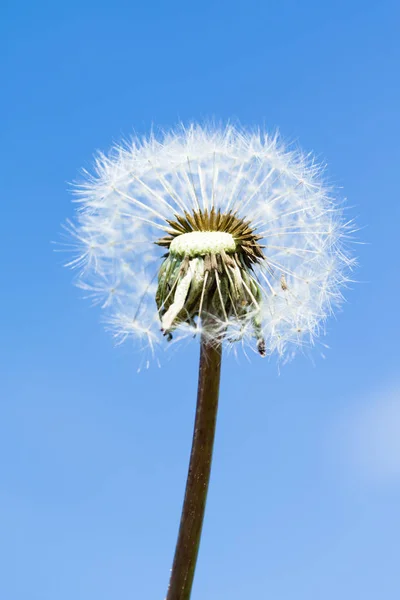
[[367, 438]]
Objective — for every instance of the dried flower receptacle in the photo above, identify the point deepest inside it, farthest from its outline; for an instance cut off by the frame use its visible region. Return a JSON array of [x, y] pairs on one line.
[[207, 274]]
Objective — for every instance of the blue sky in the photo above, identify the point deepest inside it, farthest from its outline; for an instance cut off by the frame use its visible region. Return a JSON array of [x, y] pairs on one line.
[[305, 490]]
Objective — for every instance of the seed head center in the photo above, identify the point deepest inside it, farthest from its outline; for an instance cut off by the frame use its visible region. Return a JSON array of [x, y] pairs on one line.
[[200, 243]]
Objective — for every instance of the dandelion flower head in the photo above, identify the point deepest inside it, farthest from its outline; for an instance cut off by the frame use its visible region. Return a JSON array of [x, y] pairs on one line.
[[211, 230]]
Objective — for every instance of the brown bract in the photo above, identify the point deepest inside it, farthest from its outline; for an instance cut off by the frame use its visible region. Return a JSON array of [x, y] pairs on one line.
[[247, 241]]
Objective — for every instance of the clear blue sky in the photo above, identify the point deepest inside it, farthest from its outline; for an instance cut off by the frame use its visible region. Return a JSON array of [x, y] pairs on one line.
[[305, 492]]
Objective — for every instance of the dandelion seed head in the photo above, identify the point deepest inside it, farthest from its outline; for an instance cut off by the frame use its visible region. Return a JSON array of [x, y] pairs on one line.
[[214, 231]]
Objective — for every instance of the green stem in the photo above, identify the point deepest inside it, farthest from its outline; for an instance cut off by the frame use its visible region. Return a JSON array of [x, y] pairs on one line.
[[194, 504]]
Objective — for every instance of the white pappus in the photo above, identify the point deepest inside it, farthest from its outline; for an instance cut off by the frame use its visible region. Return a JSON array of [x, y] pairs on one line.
[[215, 230]]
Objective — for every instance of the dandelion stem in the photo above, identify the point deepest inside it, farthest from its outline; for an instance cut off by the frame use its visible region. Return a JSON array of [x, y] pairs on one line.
[[194, 504]]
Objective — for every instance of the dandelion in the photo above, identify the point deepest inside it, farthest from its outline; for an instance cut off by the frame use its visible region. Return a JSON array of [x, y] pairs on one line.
[[215, 233]]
